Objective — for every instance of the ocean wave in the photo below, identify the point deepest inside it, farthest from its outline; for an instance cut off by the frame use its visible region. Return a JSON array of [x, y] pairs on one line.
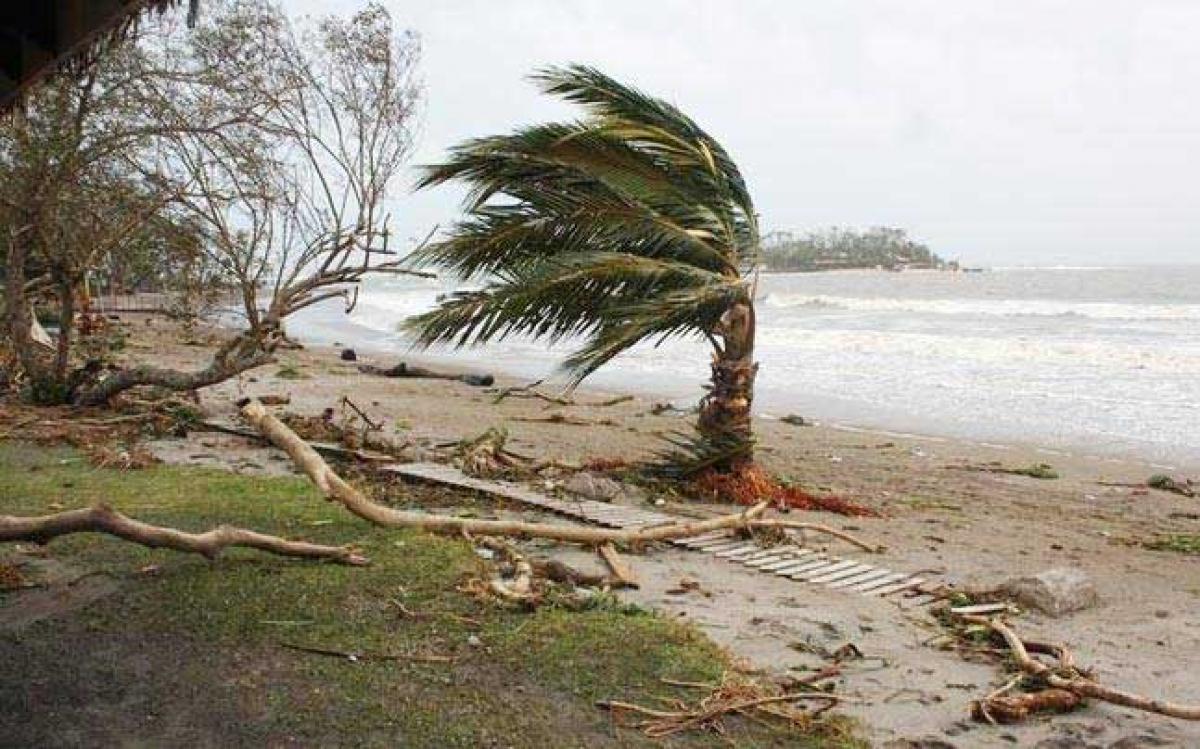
[[988, 307]]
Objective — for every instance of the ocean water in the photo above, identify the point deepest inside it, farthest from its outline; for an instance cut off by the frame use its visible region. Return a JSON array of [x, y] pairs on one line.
[[1092, 360]]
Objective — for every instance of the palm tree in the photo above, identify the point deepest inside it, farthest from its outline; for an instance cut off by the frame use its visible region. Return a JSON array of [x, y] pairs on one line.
[[631, 224]]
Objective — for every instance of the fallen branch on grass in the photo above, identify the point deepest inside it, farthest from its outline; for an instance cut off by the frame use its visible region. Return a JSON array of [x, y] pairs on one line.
[[103, 519], [1066, 677], [336, 489]]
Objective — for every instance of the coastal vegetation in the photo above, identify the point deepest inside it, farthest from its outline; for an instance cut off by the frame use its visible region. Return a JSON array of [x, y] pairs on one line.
[[836, 248], [251, 157], [630, 225]]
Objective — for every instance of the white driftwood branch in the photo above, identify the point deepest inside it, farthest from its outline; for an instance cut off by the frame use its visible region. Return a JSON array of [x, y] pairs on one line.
[[104, 519]]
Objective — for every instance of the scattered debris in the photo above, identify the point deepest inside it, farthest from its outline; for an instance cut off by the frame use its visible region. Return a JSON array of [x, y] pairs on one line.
[[735, 695], [796, 420], [1043, 471], [753, 484], [1162, 482], [336, 489], [530, 391], [130, 458]]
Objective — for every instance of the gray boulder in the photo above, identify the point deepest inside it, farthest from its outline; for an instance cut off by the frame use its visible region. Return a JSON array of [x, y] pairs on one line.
[[591, 486], [1056, 592]]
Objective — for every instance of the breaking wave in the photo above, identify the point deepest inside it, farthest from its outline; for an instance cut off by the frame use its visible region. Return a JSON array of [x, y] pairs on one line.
[[988, 307]]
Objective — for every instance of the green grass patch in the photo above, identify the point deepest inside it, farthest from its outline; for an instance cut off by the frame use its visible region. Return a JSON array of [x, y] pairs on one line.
[[516, 678], [1180, 543], [290, 372], [1043, 471]]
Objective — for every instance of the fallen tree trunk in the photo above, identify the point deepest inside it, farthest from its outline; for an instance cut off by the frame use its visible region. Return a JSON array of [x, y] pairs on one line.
[[336, 489], [1067, 678], [218, 371], [405, 370], [103, 519]]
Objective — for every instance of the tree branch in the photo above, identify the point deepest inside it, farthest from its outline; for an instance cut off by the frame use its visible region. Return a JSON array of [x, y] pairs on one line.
[[103, 519], [336, 489]]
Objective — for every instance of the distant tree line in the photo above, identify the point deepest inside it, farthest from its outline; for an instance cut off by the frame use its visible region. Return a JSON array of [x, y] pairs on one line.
[[837, 248]]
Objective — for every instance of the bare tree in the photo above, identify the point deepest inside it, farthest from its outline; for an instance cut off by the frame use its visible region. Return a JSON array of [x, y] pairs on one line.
[[279, 141], [293, 202]]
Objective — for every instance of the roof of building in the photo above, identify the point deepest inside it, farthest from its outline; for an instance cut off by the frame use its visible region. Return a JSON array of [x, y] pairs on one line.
[[41, 37]]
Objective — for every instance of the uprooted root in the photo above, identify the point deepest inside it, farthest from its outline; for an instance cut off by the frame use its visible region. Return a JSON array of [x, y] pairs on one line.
[[734, 696], [751, 484], [1057, 687]]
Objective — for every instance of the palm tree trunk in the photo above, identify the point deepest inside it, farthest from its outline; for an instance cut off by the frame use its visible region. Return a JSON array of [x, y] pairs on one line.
[[725, 410]]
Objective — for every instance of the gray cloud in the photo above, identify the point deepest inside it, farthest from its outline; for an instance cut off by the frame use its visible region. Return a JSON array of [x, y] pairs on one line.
[[1000, 132]]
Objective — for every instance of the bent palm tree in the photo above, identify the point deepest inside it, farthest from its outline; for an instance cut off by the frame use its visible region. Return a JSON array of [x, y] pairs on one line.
[[632, 224]]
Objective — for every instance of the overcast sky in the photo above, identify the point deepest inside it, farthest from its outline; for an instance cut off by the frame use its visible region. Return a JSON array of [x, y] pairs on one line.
[[998, 132]]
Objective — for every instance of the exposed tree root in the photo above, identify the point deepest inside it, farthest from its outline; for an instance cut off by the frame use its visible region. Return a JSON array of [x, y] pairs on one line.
[[749, 484], [1065, 677], [103, 519], [336, 489]]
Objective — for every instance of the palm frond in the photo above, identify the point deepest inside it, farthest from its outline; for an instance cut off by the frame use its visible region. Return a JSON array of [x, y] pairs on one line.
[[628, 225]]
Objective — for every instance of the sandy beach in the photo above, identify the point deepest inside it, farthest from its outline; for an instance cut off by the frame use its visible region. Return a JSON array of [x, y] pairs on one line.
[[966, 527]]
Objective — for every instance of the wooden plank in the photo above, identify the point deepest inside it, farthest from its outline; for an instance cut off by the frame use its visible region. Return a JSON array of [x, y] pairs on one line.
[[715, 546], [805, 566], [745, 555], [885, 580], [698, 541], [857, 569], [786, 561], [812, 573], [888, 590], [751, 558], [762, 561], [743, 548], [874, 574]]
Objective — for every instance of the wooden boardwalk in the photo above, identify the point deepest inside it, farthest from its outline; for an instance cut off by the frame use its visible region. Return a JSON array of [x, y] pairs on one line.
[[793, 562]]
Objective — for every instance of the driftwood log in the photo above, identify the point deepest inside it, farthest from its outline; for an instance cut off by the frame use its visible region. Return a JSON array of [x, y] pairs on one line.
[[104, 519], [406, 370], [336, 489], [622, 574]]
